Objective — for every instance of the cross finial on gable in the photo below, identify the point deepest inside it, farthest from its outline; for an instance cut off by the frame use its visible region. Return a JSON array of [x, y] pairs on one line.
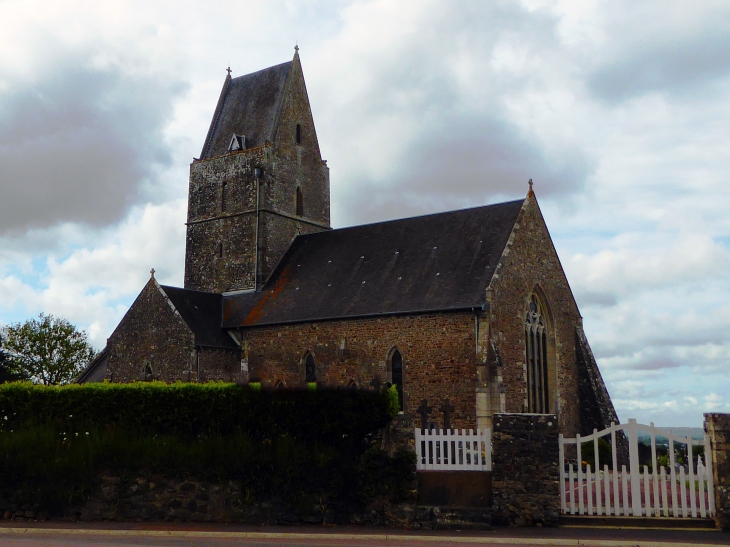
[[152, 273], [229, 70], [296, 49], [530, 193]]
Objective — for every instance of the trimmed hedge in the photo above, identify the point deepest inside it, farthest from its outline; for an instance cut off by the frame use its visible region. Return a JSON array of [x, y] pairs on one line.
[[193, 410], [57, 441]]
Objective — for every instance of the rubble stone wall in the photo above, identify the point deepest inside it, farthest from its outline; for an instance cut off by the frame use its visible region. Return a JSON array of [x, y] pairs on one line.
[[525, 470]]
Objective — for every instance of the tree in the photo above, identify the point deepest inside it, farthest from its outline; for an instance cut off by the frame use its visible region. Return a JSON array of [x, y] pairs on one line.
[[7, 374], [48, 350]]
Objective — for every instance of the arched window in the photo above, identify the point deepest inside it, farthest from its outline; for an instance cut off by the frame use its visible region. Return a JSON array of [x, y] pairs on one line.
[[279, 384], [300, 202], [310, 374], [148, 373], [396, 374], [536, 357]]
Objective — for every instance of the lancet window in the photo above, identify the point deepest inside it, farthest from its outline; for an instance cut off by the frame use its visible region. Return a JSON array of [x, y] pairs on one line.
[[310, 374], [536, 357]]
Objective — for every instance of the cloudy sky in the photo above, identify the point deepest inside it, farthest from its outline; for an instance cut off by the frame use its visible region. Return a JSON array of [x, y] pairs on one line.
[[617, 110]]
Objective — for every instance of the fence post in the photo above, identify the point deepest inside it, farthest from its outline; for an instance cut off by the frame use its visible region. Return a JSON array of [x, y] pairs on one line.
[[634, 468]]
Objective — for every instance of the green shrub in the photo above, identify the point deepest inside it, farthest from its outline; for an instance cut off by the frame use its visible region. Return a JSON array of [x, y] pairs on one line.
[[605, 455], [190, 410], [393, 401]]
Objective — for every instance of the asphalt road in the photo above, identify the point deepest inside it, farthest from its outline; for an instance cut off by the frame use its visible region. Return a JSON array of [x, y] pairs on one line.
[[121, 535]]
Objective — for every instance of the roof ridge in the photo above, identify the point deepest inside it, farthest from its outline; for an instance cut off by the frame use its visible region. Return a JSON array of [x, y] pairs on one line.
[[382, 222]]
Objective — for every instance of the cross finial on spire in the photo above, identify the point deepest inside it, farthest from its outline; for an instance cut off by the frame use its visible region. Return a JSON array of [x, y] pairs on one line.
[[152, 273], [228, 70]]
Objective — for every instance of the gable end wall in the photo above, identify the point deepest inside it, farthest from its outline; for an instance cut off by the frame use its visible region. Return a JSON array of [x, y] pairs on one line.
[[150, 333], [532, 261]]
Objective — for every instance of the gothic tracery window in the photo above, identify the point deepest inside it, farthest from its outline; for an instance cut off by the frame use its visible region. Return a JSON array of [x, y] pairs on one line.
[[536, 357]]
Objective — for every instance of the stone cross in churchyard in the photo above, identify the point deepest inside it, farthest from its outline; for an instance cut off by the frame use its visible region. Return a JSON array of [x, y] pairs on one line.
[[376, 382], [424, 410], [447, 408]]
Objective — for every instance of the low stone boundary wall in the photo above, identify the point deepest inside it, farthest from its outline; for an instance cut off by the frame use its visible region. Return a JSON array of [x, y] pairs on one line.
[[717, 426], [155, 498], [525, 471]]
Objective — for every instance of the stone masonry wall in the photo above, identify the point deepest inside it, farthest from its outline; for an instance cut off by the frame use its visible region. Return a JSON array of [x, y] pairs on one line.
[[437, 349], [525, 470], [717, 426], [233, 226], [151, 333], [220, 365], [531, 263], [154, 498]]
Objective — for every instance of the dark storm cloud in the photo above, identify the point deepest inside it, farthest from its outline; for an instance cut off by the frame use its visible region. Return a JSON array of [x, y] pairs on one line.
[[647, 53], [76, 143]]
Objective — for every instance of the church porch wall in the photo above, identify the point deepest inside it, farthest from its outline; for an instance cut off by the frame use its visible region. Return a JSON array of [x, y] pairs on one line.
[[219, 365], [151, 333], [437, 349], [532, 262]]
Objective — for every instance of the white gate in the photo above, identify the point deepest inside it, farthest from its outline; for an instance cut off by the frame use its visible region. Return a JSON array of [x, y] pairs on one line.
[[681, 491], [449, 450]]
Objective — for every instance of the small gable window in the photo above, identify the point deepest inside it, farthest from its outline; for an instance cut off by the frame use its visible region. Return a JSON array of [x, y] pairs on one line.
[[536, 353], [310, 373], [299, 133], [300, 203], [237, 142]]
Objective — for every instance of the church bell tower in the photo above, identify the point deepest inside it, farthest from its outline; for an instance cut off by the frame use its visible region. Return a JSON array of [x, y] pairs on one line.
[[260, 181]]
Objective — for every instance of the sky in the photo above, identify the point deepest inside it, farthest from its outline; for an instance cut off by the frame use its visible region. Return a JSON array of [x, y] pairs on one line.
[[616, 109]]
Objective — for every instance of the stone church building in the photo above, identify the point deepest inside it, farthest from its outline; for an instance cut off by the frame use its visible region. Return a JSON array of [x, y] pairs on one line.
[[470, 305]]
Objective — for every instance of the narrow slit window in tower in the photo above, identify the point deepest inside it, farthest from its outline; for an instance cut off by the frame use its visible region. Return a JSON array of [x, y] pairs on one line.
[[300, 203], [299, 134], [219, 250], [224, 190]]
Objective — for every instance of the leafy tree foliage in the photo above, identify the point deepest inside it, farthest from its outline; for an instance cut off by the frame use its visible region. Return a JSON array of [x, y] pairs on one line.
[[46, 350], [7, 374]]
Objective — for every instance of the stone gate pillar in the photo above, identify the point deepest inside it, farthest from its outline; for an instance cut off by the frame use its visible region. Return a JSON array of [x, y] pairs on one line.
[[717, 426], [525, 470]]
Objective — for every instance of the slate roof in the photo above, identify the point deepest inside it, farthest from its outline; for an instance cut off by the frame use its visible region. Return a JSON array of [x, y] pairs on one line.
[[249, 105], [435, 262], [202, 312]]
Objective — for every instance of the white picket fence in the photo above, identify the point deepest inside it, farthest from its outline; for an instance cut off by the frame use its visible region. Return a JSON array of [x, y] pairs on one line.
[[449, 450], [655, 493]]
